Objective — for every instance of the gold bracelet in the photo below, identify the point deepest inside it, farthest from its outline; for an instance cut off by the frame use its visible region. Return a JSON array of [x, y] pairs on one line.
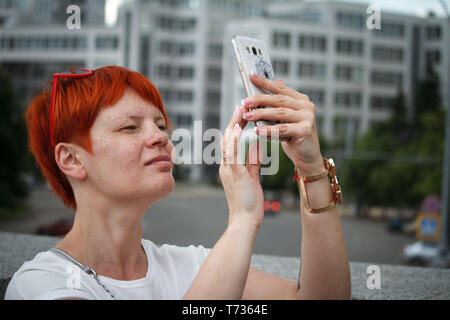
[[330, 172]]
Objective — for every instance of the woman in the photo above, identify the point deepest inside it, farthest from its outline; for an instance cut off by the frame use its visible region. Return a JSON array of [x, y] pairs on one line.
[[105, 150]]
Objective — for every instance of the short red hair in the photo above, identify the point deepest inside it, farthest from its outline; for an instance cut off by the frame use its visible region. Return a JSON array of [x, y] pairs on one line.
[[78, 102]]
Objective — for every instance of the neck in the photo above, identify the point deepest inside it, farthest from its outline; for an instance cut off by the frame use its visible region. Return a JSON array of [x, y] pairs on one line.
[[108, 240]]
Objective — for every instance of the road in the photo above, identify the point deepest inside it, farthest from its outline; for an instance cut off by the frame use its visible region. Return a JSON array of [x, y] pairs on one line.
[[198, 215]]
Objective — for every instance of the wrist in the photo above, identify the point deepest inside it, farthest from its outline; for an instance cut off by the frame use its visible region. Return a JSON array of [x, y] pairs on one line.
[[243, 226], [312, 168]]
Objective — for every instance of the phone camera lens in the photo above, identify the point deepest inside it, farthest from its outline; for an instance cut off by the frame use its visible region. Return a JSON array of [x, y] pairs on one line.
[[254, 51]]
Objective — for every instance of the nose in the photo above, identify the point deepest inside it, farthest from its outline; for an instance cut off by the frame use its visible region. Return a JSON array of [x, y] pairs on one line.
[[157, 137]]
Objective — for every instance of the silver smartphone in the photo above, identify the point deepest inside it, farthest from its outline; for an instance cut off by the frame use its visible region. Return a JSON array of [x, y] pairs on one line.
[[252, 56]]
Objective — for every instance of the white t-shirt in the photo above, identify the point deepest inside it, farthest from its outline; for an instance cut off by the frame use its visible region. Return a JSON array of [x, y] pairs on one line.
[[171, 271]]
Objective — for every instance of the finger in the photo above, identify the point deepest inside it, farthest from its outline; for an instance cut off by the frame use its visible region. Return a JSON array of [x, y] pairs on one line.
[[254, 159], [278, 87], [298, 130], [232, 144], [276, 114], [277, 101], [236, 118]]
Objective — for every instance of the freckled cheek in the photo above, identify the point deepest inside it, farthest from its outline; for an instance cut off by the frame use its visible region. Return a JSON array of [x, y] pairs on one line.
[[117, 155]]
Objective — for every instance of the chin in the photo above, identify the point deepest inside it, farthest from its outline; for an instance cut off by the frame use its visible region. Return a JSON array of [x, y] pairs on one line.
[[164, 186]]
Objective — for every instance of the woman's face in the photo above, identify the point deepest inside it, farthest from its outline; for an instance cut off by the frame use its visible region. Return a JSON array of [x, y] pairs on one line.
[[126, 139]]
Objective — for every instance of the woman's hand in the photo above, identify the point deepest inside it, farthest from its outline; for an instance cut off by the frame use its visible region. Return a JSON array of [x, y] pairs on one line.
[[299, 116], [241, 181]]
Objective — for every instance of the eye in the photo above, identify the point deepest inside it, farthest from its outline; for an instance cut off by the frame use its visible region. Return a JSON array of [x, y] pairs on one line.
[[162, 128], [129, 128]]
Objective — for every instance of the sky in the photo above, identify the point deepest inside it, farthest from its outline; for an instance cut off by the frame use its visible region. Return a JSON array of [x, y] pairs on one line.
[[416, 7]]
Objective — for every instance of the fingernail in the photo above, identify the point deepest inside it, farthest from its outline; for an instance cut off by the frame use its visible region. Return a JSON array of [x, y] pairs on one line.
[[254, 74], [248, 115], [248, 101]]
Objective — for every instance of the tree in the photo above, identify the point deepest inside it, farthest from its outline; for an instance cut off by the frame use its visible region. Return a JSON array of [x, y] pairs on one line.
[[402, 157], [284, 179], [13, 141]]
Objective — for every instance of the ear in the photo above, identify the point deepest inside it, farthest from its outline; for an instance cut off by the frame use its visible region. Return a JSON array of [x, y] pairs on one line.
[[67, 156]]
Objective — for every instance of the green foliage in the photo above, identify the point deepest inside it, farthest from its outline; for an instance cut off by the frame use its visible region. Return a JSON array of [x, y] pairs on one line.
[[399, 162], [284, 179], [13, 140]]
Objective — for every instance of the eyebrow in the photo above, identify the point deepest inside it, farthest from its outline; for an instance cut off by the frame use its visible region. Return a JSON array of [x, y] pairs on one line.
[[136, 117]]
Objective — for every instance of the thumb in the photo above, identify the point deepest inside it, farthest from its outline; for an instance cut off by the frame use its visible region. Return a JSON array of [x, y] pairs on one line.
[[254, 159]]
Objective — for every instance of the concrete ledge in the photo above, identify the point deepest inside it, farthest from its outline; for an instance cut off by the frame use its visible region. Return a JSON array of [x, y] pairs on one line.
[[397, 282]]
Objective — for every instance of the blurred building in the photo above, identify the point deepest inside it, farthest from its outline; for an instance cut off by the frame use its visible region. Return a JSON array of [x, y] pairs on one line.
[[35, 41], [48, 12], [323, 49], [352, 74], [178, 44]]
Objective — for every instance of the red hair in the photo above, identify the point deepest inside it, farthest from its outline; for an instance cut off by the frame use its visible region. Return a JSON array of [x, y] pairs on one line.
[[78, 102]]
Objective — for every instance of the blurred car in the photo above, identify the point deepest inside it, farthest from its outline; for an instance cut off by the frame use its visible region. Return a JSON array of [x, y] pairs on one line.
[[406, 226], [272, 202], [59, 228], [272, 207], [420, 253]]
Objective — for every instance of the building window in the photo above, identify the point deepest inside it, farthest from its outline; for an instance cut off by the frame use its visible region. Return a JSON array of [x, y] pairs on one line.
[[166, 94], [213, 98], [186, 73], [166, 47], [184, 4], [186, 49], [350, 47], [390, 30], [312, 43], [164, 71], [312, 70], [281, 40], [212, 121], [280, 67], [215, 51], [381, 103], [386, 54], [349, 73], [433, 57], [214, 74], [317, 96], [433, 33], [350, 20], [174, 24], [348, 99], [185, 96], [183, 120], [387, 79], [104, 43]]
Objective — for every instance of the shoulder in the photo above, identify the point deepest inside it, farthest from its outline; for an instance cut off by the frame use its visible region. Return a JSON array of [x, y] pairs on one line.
[[177, 253], [44, 277]]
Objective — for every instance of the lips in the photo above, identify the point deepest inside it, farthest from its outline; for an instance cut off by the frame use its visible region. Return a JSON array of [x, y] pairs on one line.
[[161, 158]]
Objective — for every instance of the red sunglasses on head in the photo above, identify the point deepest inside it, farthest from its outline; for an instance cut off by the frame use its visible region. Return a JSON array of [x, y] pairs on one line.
[[82, 74]]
